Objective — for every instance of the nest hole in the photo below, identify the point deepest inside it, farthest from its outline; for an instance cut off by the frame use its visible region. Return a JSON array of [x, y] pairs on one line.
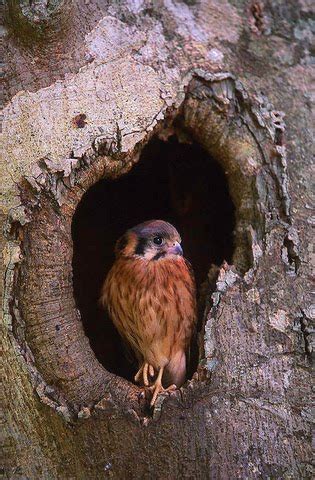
[[173, 181]]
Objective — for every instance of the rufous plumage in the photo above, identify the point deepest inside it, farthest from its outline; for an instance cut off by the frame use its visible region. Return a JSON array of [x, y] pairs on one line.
[[150, 296]]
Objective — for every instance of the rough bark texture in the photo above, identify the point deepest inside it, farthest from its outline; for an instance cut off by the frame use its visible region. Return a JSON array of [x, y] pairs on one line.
[[87, 85]]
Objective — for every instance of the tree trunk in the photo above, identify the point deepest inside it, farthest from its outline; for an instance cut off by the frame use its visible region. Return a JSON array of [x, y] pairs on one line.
[[100, 98]]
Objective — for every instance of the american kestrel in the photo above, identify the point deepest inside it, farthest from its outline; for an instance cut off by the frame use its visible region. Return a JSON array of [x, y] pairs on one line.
[[151, 298]]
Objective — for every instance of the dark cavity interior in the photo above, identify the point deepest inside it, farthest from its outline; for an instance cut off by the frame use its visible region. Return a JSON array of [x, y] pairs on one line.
[[172, 181]]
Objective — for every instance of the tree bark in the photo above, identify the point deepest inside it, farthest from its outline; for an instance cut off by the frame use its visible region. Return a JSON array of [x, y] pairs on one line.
[[88, 85]]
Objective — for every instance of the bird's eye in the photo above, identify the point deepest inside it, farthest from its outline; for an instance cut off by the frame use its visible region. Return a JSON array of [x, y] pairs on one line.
[[158, 240]]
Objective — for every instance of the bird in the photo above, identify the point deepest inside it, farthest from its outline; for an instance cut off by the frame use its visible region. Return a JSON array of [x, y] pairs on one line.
[[150, 295]]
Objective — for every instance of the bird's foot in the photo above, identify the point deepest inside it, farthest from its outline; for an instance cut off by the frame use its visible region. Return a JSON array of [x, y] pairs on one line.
[[158, 388], [143, 372]]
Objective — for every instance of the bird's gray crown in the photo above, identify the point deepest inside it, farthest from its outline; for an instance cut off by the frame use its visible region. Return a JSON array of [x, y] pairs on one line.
[[155, 227]]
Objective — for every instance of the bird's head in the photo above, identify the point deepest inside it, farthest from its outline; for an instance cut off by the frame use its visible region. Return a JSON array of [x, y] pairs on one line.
[[152, 240]]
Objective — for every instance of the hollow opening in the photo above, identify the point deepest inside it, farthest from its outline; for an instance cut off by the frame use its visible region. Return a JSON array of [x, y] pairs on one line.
[[173, 181]]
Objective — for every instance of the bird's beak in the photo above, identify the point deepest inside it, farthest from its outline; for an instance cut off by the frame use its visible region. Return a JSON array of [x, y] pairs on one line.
[[175, 249]]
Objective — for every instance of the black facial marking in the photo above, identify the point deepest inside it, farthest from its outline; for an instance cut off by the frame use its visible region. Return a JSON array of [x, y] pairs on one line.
[[159, 255], [140, 248]]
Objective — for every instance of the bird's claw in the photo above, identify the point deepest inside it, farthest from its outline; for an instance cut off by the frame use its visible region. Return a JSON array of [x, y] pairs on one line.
[[151, 371], [143, 371], [158, 388]]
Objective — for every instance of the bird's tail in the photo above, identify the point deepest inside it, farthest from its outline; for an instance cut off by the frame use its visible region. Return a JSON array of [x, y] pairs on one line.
[[175, 371]]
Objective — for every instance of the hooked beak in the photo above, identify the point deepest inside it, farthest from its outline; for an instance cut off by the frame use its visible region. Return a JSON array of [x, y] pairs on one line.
[[175, 249]]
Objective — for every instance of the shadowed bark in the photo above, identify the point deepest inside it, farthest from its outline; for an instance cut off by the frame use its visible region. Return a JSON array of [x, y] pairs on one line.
[[93, 91]]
